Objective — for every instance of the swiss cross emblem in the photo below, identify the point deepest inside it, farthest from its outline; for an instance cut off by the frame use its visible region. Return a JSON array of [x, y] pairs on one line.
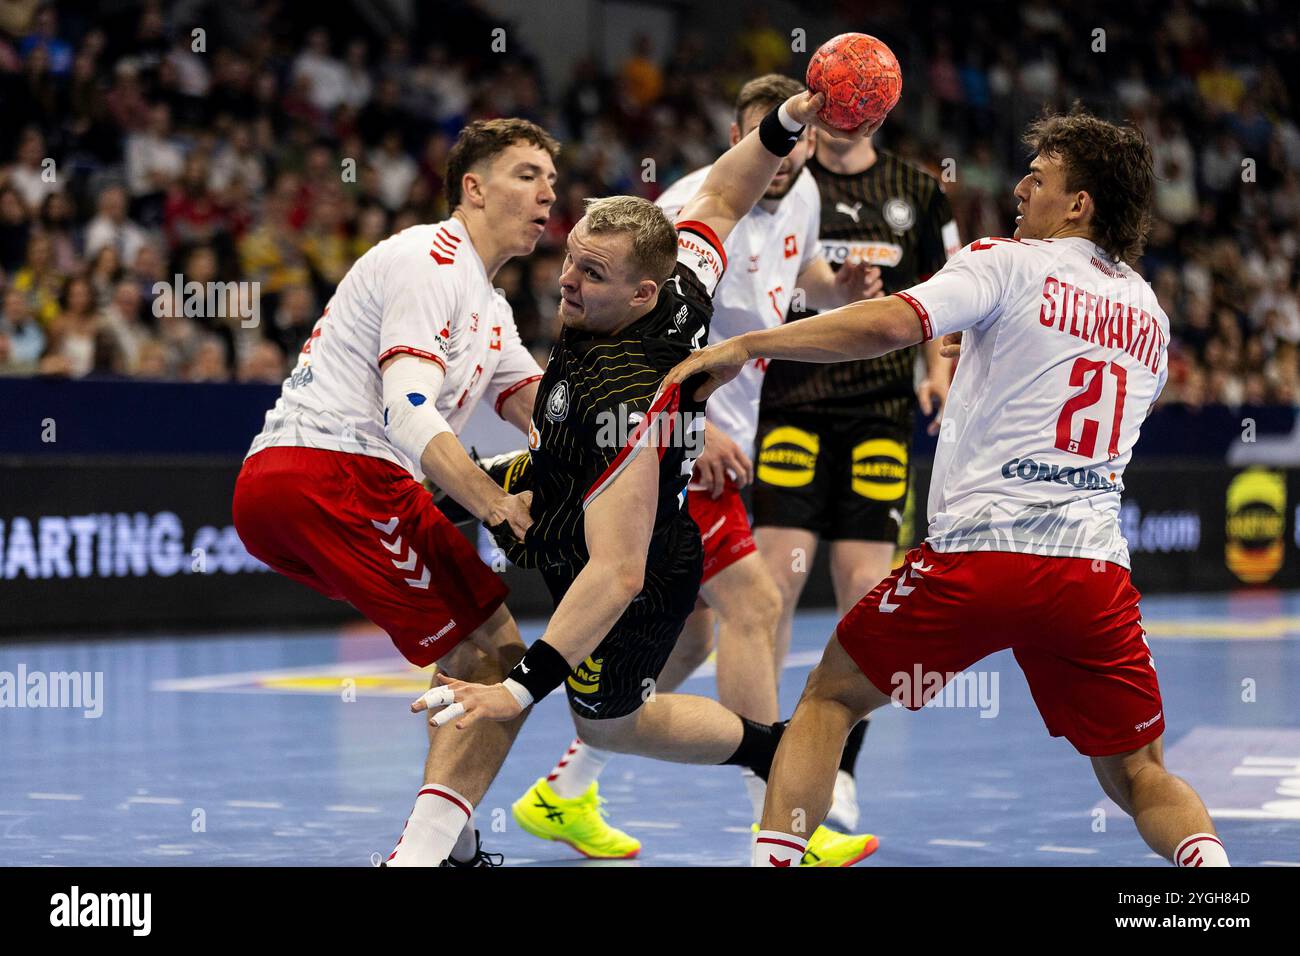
[[791, 246], [495, 342]]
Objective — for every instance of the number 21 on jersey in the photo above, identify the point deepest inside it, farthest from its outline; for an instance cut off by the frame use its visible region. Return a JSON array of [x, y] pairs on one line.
[[1091, 374]]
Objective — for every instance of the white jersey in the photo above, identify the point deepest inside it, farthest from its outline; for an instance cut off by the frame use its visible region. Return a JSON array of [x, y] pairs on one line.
[[421, 292], [1063, 355], [766, 251]]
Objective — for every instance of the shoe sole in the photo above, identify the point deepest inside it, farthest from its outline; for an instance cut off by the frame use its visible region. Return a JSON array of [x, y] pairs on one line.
[[531, 830]]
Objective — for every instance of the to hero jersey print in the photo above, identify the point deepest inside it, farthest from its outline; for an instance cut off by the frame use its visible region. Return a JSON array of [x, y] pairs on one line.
[[600, 404], [421, 292], [1064, 352], [894, 216], [767, 249]]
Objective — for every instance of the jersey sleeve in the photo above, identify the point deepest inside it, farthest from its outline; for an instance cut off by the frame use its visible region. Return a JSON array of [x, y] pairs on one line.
[[418, 309], [938, 239], [968, 291], [700, 251], [516, 369]]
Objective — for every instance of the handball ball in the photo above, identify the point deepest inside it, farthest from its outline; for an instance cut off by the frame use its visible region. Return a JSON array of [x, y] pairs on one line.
[[860, 77]]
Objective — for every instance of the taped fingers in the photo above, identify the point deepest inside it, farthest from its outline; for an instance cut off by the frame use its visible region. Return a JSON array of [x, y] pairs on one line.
[[434, 697], [447, 715]]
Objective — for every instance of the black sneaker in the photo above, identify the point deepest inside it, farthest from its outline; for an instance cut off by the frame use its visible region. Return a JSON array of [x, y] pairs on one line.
[[480, 858]]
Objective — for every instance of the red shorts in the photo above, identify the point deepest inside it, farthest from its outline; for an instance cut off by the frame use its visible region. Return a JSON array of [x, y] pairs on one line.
[[1076, 633], [724, 528], [361, 529]]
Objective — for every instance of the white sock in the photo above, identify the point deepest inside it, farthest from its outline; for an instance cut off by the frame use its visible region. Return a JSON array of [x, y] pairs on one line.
[[577, 770], [774, 848], [433, 827], [1201, 849], [756, 787], [467, 843]]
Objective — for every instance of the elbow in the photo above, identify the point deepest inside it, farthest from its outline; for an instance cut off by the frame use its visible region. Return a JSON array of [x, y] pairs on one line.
[[628, 579]]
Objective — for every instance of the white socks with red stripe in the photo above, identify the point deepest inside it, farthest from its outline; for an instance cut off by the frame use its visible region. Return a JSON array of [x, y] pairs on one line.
[[577, 770], [434, 827], [1201, 849], [774, 848]]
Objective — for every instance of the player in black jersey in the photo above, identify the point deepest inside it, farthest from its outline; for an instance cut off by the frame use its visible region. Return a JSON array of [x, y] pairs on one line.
[[610, 456], [834, 441]]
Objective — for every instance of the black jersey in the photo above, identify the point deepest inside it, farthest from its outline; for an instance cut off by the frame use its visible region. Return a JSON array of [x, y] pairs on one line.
[[895, 216], [600, 404]]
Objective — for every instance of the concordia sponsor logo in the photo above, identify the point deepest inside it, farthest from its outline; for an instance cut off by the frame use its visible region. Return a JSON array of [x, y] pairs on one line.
[[1026, 469]]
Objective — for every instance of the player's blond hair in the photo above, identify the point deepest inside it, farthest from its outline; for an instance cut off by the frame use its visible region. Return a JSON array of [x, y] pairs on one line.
[[654, 240], [766, 91]]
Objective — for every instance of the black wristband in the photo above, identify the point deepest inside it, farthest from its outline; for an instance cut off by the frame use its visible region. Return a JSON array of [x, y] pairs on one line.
[[542, 670], [776, 139]]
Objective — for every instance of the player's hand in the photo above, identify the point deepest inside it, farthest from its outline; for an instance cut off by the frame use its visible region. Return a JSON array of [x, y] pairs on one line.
[[858, 280], [804, 107], [513, 511], [951, 346], [465, 703], [932, 394], [720, 456], [722, 362]]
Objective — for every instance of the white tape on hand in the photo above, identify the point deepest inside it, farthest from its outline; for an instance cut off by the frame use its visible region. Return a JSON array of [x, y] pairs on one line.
[[446, 716], [438, 697]]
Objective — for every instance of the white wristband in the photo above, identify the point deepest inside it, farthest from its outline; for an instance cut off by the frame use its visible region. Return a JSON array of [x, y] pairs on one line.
[[519, 691], [784, 116]]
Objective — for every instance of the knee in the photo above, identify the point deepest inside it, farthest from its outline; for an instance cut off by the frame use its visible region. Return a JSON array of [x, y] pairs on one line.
[[757, 612], [1119, 777], [692, 650], [613, 735], [482, 665]]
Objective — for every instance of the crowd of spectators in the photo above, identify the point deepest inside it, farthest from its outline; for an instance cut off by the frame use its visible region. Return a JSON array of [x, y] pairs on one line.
[[142, 158]]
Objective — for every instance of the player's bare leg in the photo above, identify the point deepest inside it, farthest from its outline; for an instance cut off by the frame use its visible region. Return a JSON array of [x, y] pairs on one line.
[[692, 649], [748, 605], [681, 728], [802, 780], [856, 568], [1169, 814], [788, 554], [461, 765]]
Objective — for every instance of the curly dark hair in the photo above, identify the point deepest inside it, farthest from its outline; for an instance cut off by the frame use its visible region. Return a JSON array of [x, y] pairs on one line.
[[1112, 164], [481, 140]]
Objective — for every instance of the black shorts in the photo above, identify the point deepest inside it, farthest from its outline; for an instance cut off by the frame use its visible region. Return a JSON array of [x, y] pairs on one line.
[[619, 675], [842, 478]]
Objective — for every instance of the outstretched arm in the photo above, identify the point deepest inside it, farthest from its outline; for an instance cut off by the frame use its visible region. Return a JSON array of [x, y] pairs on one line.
[[618, 525], [742, 174], [862, 330]]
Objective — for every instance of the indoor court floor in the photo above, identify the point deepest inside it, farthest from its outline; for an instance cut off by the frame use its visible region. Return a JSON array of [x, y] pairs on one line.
[[299, 750]]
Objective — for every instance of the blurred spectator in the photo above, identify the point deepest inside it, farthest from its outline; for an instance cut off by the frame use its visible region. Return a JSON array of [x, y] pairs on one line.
[[642, 78], [22, 334], [30, 174], [112, 227], [14, 230]]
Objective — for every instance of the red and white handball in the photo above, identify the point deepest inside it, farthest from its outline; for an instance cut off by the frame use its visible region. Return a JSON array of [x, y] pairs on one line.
[[860, 77]]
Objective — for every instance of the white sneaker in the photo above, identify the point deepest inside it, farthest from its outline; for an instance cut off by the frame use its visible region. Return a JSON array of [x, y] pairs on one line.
[[843, 815]]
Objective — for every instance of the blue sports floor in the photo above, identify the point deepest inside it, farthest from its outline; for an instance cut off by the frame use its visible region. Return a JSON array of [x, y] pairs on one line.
[[246, 750]]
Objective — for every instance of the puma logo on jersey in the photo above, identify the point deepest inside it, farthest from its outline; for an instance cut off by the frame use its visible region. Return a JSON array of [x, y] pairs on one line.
[[850, 211]]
